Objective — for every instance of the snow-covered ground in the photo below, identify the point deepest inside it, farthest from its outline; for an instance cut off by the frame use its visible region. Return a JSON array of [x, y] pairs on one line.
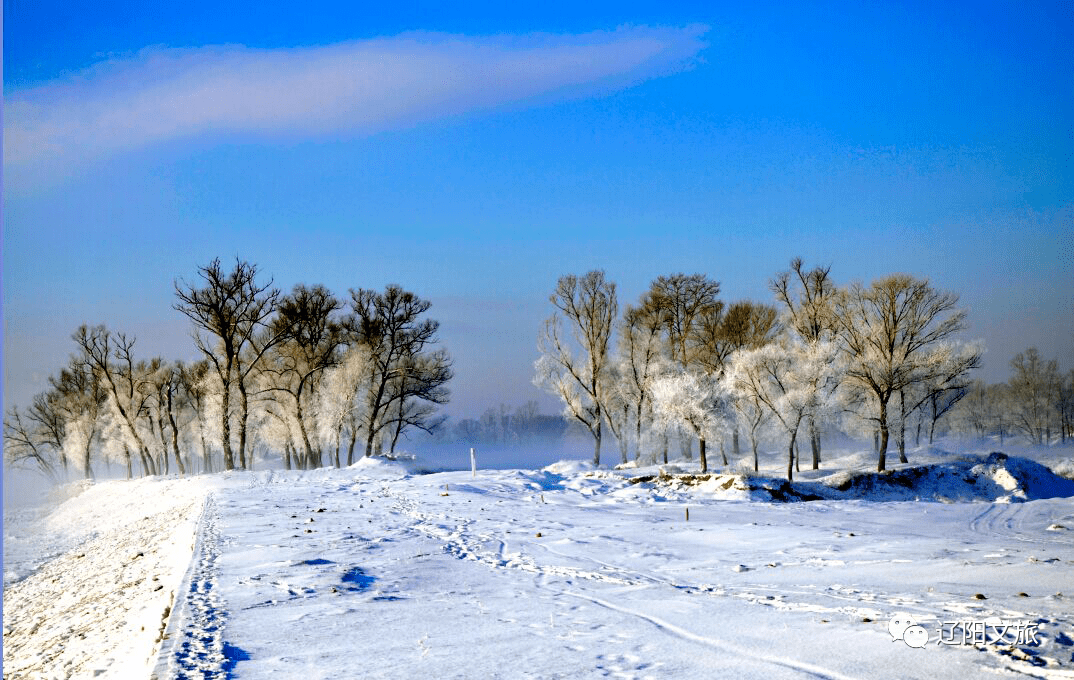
[[562, 572]]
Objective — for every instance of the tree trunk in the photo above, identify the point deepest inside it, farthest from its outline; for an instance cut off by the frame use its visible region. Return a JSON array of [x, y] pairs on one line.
[[206, 461], [701, 454], [664, 439], [350, 449], [734, 446], [596, 444], [244, 413], [127, 457], [756, 463], [637, 434], [723, 454], [175, 437], [163, 464], [302, 431], [87, 471], [901, 438], [790, 457], [814, 443], [882, 447], [225, 428], [147, 462], [369, 439]]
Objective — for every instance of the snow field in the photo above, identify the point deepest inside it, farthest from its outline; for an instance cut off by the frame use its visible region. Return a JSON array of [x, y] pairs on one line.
[[371, 572]]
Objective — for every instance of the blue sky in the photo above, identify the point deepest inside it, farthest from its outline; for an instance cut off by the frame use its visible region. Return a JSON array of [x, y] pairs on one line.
[[474, 155]]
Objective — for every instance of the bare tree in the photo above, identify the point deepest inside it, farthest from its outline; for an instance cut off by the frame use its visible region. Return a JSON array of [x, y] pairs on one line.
[[588, 306], [228, 309], [891, 332], [1064, 404], [25, 445], [420, 386], [112, 358], [192, 378], [81, 397], [166, 382], [388, 327], [1033, 384], [46, 413]]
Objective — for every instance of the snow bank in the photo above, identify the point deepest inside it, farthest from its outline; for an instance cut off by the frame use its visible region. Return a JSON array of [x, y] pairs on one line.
[[569, 467], [994, 478], [381, 468], [99, 609]]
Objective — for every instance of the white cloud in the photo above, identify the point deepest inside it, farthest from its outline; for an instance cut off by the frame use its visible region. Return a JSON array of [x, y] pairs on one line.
[[350, 88]]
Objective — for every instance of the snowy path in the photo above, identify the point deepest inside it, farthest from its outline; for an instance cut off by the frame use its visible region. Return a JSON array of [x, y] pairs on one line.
[[337, 574]]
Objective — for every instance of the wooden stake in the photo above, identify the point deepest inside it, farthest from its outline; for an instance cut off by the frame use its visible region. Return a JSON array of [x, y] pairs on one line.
[[687, 514]]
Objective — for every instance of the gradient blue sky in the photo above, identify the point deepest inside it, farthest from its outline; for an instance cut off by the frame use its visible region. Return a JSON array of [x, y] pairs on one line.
[[475, 154]]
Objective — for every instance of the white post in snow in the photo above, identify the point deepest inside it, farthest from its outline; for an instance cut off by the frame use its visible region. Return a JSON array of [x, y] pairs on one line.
[[473, 463]]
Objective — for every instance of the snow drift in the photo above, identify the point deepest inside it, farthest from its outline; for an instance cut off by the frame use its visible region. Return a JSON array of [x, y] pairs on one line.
[[994, 478]]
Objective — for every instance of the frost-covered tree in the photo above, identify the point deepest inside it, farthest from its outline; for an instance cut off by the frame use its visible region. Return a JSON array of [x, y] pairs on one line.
[[229, 309], [164, 407], [691, 400], [684, 303], [722, 331], [343, 400], [576, 372], [193, 379], [310, 339], [618, 403], [637, 364], [808, 298], [79, 396], [112, 358], [62, 425], [891, 331], [748, 408], [791, 379]]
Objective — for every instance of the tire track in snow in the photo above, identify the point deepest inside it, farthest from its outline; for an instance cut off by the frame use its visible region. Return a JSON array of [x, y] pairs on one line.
[[1008, 520], [663, 626]]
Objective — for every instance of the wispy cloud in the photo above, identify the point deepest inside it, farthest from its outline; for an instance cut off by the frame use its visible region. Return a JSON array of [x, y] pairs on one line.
[[351, 88]]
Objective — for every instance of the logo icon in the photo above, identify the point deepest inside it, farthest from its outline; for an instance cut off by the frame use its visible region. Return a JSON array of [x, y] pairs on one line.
[[903, 627]]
